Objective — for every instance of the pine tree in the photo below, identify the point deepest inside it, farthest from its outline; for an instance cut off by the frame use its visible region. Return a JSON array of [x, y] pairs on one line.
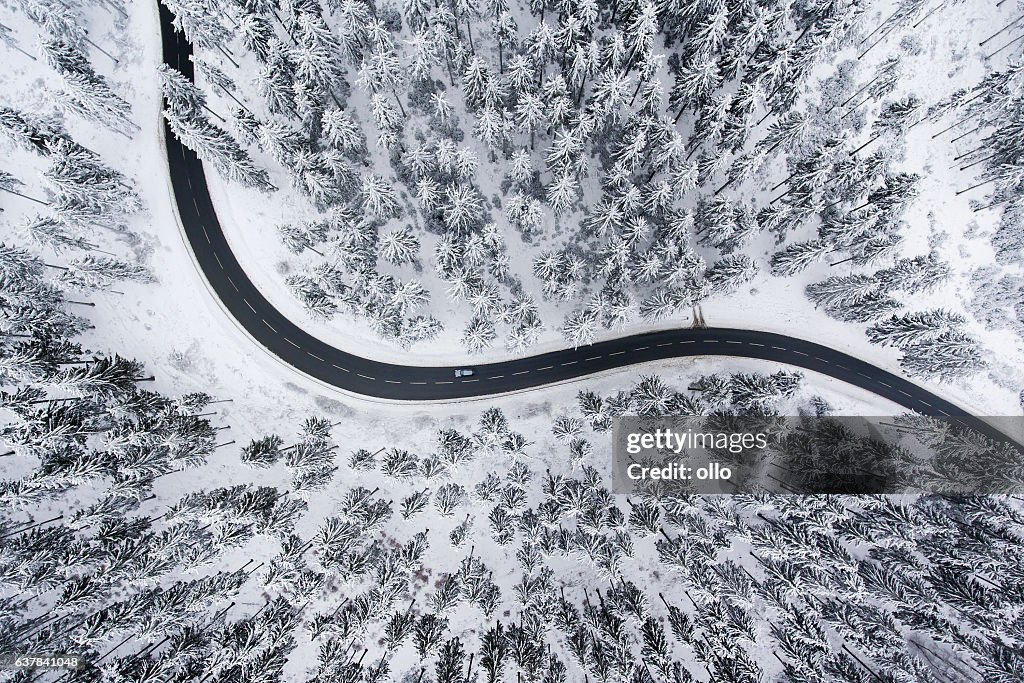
[[212, 144], [841, 290], [479, 334], [948, 356], [86, 92], [298, 237], [728, 273], [181, 94], [580, 328], [912, 328], [797, 256], [462, 208], [378, 197], [915, 275], [200, 21], [91, 272], [343, 132]]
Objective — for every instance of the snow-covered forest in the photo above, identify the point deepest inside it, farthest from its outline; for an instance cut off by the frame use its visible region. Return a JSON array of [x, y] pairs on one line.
[[480, 546], [176, 507], [480, 556], [501, 175]]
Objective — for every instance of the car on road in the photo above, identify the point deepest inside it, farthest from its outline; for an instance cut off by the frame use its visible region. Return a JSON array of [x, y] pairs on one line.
[[464, 372]]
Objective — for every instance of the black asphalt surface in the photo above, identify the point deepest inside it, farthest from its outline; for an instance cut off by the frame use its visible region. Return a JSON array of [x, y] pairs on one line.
[[375, 379]]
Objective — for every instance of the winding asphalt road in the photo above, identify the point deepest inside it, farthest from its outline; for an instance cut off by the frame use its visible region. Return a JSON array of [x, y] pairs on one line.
[[417, 383]]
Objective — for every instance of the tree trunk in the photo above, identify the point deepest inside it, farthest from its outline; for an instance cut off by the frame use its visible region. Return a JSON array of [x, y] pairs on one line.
[[1001, 31], [25, 196], [112, 57], [1015, 40]]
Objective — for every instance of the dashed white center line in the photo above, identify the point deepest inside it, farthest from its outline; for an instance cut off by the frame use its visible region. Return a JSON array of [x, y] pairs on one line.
[[572, 362], [367, 377], [904, 393], [666, 344], [593, 358], [546, 367], [926, 403], [729, 341], [291, 342], [391, 381], [520, 373], [754, 344], [310, 353], [233, 285], [692, 341], [641, 348], [467, 381], [863, 375], [218, 260], [496, 377], [779, 348], [842, 367], [417, 382], [887, 386], [801, 353], [444, 382], [707, 341], [340, 368], [616, 353], [823, 360], [943, 412], [269, 325], [249, 305]]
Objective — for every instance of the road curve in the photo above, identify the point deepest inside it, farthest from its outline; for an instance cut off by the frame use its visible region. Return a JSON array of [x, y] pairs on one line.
[[376, 379]]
